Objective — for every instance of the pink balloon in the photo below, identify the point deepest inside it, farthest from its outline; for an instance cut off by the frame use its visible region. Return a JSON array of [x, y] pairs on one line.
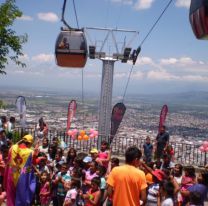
[[202, 149], [74, 132], [91, 130], [95, 133], [73, 137], [205, 144], [91, 135], [69, 133], [206, 149]]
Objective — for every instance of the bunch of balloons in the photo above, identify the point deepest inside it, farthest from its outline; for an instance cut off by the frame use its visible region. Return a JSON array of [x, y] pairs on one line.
[[82, 135], [204, 147]]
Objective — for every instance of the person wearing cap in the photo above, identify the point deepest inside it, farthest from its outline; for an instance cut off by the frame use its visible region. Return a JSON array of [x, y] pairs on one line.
[[19, 178], [153, 189], [94, 155], [126, 183]]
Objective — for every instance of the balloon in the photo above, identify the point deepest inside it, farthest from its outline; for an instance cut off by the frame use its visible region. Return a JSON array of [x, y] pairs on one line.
[[74, 132], [82, 133], [69, 133], [85, 137], [79, 137], [95, 133], [205, 144], [206, 149], [73, 136], [92, 135], [202, 149], [91, 130]]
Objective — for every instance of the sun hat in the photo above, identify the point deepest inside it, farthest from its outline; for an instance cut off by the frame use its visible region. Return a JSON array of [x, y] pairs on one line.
[[94, 150]]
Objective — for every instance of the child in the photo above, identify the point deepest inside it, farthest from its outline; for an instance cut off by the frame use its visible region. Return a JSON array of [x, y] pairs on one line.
[[167, 192], [45, 191], [153, 190], [71, 195], [189, 178], [93, 195], [104, 154], [200, 187], [101, 172], [71, 155], [177, 174], [62, 178], [148, 149]]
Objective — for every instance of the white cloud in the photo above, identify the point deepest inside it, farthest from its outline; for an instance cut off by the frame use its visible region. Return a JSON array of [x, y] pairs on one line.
[[144, 61], [183, 3], [43, 58], [138, 75], [169, 61], [183, 61], [50, 17], [143, 4], [160, 75], [186, 61], [25, 18], [165, 76]]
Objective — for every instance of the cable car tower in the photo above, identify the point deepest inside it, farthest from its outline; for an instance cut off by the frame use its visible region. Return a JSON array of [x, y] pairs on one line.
[[108, 59]]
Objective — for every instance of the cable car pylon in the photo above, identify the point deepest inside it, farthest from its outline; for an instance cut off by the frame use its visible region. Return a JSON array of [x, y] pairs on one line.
[[108, 59]]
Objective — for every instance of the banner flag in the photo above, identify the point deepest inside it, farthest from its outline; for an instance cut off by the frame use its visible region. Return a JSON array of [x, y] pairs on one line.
[[71, 113], [116, 118], [163, 115], [21, 109]]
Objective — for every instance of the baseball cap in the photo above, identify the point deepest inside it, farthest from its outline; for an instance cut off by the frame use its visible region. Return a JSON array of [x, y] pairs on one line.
[[28, 138], [87, 159], [39, 159], [159, 174], [94, 150]]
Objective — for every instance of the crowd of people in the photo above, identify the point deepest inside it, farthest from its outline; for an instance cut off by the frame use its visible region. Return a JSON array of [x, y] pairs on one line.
[[40, 172]]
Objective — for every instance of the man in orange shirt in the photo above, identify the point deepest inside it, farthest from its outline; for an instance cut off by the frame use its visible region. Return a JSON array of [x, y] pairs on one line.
[[126, 183]]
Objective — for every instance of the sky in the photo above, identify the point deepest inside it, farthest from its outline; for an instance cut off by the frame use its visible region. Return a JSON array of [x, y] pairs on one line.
[[172, 60]]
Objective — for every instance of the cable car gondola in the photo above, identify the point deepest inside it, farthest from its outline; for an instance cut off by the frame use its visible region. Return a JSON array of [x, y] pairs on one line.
[[71, 45], [198, 17], [71, 49]]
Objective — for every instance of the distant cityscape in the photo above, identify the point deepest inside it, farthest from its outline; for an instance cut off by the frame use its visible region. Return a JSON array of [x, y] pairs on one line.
[[186, 123]]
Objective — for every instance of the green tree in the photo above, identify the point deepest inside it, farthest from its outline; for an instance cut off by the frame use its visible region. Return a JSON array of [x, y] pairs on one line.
[[2, 105], [10, 42]]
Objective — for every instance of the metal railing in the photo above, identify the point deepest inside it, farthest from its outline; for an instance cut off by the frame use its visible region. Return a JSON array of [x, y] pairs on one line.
[[185, 154]]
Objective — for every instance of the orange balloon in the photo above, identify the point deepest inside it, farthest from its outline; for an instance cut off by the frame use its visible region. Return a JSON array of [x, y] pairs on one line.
[[82, 133], [79, 137], [86, 137]]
